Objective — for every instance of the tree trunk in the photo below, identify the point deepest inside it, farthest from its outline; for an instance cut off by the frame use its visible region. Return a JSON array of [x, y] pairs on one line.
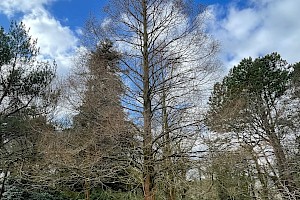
[[3, 183], [167, 146], [261, 177], [87, 189], [171, 193], [147, 145], [287, 183]]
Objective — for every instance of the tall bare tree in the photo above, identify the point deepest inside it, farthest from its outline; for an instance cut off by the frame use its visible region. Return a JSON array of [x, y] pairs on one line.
[[166, 55]]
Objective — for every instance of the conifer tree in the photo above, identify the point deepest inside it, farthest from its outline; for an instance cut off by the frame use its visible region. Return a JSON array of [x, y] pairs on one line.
[[25, 92], [250, 102]]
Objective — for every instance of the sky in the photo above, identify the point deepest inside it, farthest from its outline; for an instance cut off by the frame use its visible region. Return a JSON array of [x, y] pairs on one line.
[[243, 27]]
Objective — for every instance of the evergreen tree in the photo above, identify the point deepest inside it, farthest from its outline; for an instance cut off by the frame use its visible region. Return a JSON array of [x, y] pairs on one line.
[[102, 118], [101, 100], [25, 92], [96, 151], [250, 103]]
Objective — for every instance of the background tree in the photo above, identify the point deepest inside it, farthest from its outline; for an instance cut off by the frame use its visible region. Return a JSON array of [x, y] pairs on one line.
[[251, 103], [95, 152], [294, 148], [296, 78], [25, 93], [101, 115]]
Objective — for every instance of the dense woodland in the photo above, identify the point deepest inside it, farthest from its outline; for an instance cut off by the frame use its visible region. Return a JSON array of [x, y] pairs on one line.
[[150, 114]]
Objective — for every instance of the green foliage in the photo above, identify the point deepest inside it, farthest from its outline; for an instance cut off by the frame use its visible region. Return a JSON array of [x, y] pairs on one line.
[[296, 79], [250, 88], [255, 104], [262, 76], [5, 51], [18, 191], [23, 79], [25, 93]]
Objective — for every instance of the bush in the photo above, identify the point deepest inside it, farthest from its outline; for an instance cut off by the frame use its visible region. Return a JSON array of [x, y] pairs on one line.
[[16, 191]]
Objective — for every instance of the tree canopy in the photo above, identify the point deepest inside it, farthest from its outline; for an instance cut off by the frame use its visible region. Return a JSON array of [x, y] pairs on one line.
[[25, 92], [253, 102]]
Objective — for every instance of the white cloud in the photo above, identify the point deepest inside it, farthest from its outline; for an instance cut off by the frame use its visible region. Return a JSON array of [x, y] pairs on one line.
[[11, 7], [55, 40], [263, 27]]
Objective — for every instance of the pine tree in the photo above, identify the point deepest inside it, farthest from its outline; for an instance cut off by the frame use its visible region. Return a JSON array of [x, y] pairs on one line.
[[98, 146], [25, 92], [250, 103]]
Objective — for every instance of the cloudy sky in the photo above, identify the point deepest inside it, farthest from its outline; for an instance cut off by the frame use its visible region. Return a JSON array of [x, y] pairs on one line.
[[243, 27]]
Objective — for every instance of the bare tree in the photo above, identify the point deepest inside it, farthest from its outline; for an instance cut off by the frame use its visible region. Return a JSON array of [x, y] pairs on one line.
[[96, 150], [166, 56]]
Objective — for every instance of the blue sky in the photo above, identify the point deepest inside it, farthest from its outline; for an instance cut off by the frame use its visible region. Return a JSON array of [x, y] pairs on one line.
[[243, 27], [79, 10]]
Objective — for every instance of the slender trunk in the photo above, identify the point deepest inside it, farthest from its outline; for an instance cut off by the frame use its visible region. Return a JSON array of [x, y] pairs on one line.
[[167, 149], [3, 183], [1, 140], [286, 183], [87, 189], [170, 193], [147, 145], [1, 133], [279, 153], [262, 178]]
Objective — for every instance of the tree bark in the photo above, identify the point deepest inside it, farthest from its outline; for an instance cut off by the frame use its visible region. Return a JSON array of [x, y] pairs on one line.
[[287, 183], [167, 150], [147, 145]]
